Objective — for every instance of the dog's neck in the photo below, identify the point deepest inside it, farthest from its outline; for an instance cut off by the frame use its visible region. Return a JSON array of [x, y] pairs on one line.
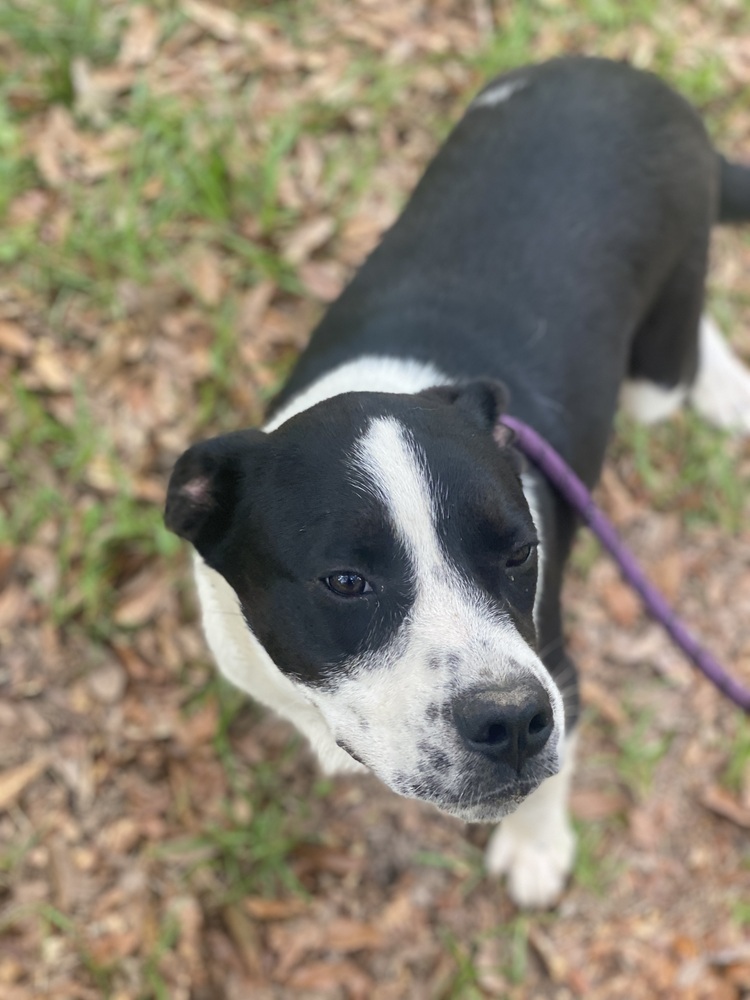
[[367, 374]]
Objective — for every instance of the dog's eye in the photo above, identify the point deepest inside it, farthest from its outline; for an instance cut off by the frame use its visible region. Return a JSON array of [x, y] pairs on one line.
[[520, 556], [348, 584]]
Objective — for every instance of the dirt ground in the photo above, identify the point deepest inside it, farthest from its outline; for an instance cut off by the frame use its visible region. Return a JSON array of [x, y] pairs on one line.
[[159, 836]]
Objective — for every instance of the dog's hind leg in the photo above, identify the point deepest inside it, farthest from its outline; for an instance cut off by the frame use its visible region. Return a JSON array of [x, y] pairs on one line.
[[664, 354], [721, 390], [679, 356]]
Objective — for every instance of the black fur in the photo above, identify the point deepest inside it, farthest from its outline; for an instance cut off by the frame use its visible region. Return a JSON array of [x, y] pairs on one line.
[[557, 244]]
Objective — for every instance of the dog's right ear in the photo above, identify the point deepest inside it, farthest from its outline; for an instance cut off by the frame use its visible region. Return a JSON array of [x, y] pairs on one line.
[[206, 484]]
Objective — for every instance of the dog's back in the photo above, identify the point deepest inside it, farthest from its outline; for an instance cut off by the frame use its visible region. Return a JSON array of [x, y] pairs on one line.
[[547, 224]]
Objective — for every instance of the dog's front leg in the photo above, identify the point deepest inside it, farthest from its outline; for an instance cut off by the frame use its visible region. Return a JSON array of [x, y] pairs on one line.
[[535, 845]]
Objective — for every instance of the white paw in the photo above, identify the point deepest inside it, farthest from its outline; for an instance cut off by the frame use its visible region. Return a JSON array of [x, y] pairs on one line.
[[537, 862], [649, 403], [721, 391]]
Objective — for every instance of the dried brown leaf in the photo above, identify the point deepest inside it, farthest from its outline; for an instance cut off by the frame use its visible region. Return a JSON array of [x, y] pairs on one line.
[[353, 935], [203, 269], [14, 781], [141, 37], [621, 602], [95, 93], [328, 976], [49, 368], [719, 801], [604, 701], [265, 909], [323, 279], [590, 805], [253, 305], [107, 683], [217, 21], [141, 600], [308, 237], [15, 340], [554, 962], [15, 601], [7, 561], [245, 938]]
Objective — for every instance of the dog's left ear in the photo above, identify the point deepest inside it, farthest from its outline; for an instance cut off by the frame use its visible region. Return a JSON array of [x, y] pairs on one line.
[[482, 400], [206, 485]]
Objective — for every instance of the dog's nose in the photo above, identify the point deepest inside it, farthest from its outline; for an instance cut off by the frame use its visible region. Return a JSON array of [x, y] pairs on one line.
[[509, 725]]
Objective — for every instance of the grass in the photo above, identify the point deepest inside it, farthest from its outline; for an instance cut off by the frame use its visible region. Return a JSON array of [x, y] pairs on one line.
[[688, 466], [187, 175], [737, 770], [56, 34], [640, 750], [248, 850]]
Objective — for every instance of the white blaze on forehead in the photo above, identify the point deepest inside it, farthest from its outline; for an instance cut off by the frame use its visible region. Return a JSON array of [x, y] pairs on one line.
[[450, 619], [393, 469]]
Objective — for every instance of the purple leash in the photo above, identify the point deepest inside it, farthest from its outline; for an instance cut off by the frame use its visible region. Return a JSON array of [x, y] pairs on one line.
[[575, 492]]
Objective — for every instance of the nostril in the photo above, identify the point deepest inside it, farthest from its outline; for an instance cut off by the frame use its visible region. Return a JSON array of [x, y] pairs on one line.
[[496, 733], [538, 724], [508, 726]]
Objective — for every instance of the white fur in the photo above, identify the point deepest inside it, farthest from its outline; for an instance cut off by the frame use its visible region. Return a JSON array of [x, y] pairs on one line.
[[531, 492], [497, 94], [535, 845], [650, 403], [370, 373], [379, 704], [392, 688], [721, 391], [244, 662]]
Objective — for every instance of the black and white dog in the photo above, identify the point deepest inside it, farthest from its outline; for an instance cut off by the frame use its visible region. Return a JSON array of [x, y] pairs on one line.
[[377, 564]]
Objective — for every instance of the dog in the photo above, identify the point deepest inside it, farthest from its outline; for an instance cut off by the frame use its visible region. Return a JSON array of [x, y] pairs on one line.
[[377, 563]]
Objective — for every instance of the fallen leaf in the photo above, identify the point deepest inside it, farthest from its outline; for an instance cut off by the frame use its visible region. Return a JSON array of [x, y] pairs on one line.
[[274, 909], [217, 21], [323, 279], [604, 701], [621, 602], [141, 600], [590, 805], [95, 93], [13, 782], [15, 601], [554, 962], [15, 340], [49, 369], [668, 574], [327, 976], [245, 938], [140, 38], [107, 683], [717, 800], [7, 561], [307, 238], [203, 270], [353, 935]]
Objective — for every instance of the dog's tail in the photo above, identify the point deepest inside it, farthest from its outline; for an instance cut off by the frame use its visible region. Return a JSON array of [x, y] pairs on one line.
[[734, 195]]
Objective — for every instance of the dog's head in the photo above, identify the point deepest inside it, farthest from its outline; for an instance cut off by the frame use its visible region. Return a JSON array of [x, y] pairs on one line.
[[382, 552]]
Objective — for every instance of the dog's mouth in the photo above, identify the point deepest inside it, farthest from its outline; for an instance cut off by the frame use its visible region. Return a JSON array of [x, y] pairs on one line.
[[477, 798], [475, 791], [484, 806], [487, 809]]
